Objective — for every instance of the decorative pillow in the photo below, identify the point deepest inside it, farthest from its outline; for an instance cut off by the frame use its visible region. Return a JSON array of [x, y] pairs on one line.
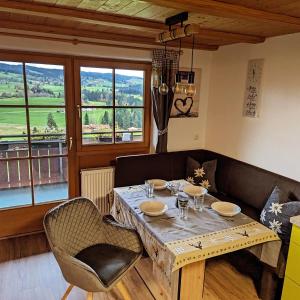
[[277, 213], [203, 175]]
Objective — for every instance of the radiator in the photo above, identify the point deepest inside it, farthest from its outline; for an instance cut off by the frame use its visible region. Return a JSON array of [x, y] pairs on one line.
[[97, 185]]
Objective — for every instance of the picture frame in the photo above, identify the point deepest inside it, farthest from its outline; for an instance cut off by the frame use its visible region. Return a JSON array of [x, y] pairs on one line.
[[186, 106], [253, 88]]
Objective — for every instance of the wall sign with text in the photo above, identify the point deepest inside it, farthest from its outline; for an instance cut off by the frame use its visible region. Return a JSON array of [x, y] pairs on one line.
[[253, 88]]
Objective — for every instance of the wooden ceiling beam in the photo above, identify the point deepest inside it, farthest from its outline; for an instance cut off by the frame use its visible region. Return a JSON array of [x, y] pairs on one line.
[[80, 15], [228, 10], [68, 31], [93, 17]]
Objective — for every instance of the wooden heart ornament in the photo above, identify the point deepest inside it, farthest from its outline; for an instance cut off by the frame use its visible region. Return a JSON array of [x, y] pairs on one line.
[[184, 106]]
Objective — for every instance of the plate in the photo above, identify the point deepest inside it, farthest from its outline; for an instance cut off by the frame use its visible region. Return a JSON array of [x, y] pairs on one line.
[[153, 208], [193, 190], [226, 209], [159, 184]]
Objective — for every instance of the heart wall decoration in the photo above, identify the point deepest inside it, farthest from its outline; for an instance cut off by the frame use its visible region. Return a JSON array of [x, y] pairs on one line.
[[184, 106], [187, 106]]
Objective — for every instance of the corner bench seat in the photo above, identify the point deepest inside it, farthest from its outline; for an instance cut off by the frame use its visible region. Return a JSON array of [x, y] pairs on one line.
[[246, 185]]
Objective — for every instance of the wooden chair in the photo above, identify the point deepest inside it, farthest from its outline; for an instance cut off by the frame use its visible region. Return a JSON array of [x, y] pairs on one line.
[[94, 252]]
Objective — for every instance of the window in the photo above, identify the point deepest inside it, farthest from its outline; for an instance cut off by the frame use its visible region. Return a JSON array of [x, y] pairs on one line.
[[113, 104], [33, 151], [55, 122]]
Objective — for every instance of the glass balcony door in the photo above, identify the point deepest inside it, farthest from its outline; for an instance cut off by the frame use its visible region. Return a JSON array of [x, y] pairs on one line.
[[34, 149]]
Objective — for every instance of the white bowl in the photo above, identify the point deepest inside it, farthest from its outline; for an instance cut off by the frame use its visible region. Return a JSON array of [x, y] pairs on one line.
[[153, 208], [159, 184], [226, 209], [194, 190]]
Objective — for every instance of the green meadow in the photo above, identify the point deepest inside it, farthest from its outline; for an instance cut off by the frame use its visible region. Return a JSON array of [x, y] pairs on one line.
[[46, 88]]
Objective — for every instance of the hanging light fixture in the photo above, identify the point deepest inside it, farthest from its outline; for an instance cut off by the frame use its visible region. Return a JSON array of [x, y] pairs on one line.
[[163, 88], [191, 88], [183, 31], [178, 33]]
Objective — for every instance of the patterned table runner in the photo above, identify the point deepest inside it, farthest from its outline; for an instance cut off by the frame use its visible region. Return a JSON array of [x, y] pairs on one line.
[[173, 243]]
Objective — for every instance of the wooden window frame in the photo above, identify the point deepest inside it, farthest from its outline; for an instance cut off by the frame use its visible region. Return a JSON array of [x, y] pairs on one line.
[[28, 58], [28, 219], [113, 64]]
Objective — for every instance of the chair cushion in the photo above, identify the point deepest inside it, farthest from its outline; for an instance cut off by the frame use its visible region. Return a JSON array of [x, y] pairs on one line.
[[108, 261]]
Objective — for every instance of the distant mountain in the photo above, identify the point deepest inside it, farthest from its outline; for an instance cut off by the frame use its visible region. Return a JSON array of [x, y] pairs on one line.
[[17, 69], [54, 73], [33, 71]]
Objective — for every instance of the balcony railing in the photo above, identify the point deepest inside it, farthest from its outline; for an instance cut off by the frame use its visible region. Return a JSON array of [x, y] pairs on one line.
[[15, 168], [46, 166]]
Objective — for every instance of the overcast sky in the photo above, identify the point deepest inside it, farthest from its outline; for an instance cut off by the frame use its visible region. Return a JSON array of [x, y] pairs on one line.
[[121, 72]]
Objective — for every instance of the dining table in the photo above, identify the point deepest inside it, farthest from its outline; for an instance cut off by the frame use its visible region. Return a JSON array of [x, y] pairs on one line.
[[180, 247]]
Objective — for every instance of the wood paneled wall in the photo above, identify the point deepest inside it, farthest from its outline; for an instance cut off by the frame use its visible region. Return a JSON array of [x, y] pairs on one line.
[[23, 246]]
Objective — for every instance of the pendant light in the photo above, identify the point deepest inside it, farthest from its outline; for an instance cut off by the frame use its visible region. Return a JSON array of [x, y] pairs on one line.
[[178, 88], [163, 88], [191, 88]]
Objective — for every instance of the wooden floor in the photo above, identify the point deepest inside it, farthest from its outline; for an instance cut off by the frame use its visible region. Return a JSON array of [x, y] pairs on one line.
[[38, 277]]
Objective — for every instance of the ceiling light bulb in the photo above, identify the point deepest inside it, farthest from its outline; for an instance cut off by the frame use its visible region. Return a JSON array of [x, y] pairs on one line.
[[177, 89], [191, 90], [163, 89]]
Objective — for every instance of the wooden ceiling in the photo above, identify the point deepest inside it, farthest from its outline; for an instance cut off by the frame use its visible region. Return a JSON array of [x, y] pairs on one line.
[[222, 23]]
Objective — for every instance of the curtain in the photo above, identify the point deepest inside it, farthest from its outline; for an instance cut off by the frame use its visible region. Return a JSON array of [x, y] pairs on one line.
[[163, 64]]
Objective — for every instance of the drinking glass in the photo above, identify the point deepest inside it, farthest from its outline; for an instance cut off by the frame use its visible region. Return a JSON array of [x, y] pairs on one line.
[[199, 202], [183, 205], [174, 187], [149, 185]]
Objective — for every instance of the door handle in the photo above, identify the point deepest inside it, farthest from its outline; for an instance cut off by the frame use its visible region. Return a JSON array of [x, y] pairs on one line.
[[70, 143], [79, 111]]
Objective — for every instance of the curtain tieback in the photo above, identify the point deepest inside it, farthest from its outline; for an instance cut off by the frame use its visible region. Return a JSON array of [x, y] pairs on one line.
[[163, 131]]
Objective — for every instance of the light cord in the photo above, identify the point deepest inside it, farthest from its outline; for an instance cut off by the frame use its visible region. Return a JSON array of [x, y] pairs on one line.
[[193, 53]]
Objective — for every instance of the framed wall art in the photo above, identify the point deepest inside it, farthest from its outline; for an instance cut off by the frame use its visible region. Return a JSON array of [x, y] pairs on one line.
[[185, 106], [253, 88]]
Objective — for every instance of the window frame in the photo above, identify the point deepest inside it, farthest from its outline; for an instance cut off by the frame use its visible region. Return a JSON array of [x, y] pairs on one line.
[[41, 58], [28, 219], [113, 64]]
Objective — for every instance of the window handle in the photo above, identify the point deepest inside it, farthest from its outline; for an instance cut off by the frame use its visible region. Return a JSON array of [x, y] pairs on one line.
[[79, 111], [70, 143]]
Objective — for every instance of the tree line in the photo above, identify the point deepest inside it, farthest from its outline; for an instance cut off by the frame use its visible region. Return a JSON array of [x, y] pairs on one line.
[[125, 118]]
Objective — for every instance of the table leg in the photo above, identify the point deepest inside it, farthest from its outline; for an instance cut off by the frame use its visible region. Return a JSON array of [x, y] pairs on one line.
[[192, 281]]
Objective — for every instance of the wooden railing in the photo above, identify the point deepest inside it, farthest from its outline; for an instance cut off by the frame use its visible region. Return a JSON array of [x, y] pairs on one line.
[[15, 168], [16, 172]]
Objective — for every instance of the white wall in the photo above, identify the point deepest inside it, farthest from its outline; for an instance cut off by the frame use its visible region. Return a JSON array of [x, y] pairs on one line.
[[183, 133], [271, 141]]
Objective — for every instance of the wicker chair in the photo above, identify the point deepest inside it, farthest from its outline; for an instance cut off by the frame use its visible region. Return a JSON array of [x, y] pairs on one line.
[[93, 251]]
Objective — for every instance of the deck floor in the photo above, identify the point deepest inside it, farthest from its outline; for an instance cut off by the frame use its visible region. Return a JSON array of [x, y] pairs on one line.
[[42, 193]]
